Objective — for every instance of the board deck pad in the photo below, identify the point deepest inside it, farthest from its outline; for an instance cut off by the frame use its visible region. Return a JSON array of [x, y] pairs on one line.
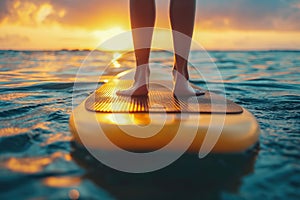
[[159, 100]]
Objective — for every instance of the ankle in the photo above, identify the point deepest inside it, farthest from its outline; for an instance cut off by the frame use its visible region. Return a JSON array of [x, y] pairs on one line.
[[183, 73], [179, 74]]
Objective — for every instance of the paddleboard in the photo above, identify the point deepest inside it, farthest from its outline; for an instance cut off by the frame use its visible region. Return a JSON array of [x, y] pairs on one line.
[[142, 124]]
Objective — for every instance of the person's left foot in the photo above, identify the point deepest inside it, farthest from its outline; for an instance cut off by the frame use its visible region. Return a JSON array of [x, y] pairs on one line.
[[182, 86]]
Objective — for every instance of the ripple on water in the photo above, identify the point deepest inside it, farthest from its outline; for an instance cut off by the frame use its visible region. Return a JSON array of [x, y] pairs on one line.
[[18, 139], [58, 116]]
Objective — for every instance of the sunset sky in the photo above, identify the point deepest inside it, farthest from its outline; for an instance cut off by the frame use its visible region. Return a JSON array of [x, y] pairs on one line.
[[220, 24]]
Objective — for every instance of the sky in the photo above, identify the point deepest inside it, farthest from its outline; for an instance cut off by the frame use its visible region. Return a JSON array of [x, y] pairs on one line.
[[79, 24]]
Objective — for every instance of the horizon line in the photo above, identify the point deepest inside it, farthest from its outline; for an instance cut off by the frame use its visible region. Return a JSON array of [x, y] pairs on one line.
[[101, 50]]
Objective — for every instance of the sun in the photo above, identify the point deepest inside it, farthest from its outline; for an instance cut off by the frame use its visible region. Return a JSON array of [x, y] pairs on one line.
[[114, 39]]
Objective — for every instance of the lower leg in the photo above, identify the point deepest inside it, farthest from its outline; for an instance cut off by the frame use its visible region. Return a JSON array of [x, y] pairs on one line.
[[183, 27], [142, 15]]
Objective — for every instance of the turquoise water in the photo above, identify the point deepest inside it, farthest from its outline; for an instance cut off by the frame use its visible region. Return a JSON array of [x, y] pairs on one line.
[[38, 159]]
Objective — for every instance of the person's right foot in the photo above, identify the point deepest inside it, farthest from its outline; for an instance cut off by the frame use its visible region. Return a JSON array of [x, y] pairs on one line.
[[135, 90]]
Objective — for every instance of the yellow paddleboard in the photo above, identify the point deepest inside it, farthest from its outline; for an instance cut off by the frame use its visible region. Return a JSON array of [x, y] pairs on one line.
[[208, 123]]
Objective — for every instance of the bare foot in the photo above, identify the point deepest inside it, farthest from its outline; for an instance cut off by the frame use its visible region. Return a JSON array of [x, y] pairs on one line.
[[182, 86], [140, 85], [135, 90]]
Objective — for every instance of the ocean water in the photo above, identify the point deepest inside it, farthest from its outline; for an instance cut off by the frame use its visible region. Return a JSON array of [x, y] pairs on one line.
[[39, 160]]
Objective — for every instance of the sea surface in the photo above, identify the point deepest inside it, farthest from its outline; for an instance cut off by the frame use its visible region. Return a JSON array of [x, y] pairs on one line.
[[39, 160]]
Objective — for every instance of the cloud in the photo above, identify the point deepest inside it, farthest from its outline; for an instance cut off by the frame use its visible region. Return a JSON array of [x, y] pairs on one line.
[[90, 14], [93, 13], [4, 11], [277, 15], [29, 13], [283, 15]]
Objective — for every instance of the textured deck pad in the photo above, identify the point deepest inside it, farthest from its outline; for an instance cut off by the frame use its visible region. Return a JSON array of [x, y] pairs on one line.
[[160, 99]]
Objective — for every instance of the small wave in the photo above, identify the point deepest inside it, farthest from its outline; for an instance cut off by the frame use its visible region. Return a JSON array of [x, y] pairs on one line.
[[58, 116], [48, 86], [226, 61], [19, 111], [262, 79], [16, 142], [268, 85]]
